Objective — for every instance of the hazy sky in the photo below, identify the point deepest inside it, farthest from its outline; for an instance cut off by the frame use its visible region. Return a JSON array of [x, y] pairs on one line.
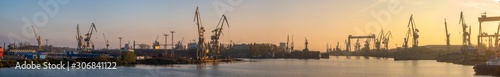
[[260, 21]]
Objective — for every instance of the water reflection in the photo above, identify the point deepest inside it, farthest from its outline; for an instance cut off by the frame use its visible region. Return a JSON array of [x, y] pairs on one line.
[[340, 66]]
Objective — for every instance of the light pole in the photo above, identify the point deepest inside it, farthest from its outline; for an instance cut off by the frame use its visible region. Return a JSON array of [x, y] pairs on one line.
[[120, 42], [166, 35], [172, 42], [47, 42]]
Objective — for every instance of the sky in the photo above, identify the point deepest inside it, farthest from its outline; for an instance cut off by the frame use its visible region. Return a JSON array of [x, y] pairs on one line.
[[322, 22]]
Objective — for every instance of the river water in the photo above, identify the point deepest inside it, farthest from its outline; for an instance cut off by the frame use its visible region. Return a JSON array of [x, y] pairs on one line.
[[336, 66]]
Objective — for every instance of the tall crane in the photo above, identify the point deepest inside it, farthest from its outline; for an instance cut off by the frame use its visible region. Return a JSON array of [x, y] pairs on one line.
[[38, 39], [88, 40], [405, 42], [79, 38], [215, 48], [414, 31], [107, 41], [378, 40], [385, 40], [447, 35], [382, 39], [465, 34], [201, 50]]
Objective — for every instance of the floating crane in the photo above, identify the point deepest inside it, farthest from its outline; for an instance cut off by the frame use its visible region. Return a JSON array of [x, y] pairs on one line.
[[414, 30], [447, 35], [215, 48], [107, 41], [201, 50], [38, 39]]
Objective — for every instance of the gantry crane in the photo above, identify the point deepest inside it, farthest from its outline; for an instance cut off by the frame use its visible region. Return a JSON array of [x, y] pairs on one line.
[[215, 48], [348, 41], [106, 41], [482, 19], [201, 50], [414, 31], [38, 39]]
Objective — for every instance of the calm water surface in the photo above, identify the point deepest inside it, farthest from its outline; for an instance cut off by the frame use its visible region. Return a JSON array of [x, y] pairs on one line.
[[336, 66]]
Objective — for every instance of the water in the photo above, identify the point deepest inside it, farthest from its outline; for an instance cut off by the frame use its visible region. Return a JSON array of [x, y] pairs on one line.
[[340, 66]]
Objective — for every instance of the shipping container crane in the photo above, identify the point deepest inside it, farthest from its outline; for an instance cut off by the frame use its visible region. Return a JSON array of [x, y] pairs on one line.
[[38, 39]]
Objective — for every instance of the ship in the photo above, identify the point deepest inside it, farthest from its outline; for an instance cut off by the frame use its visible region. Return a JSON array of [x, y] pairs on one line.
[[492, 67]]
